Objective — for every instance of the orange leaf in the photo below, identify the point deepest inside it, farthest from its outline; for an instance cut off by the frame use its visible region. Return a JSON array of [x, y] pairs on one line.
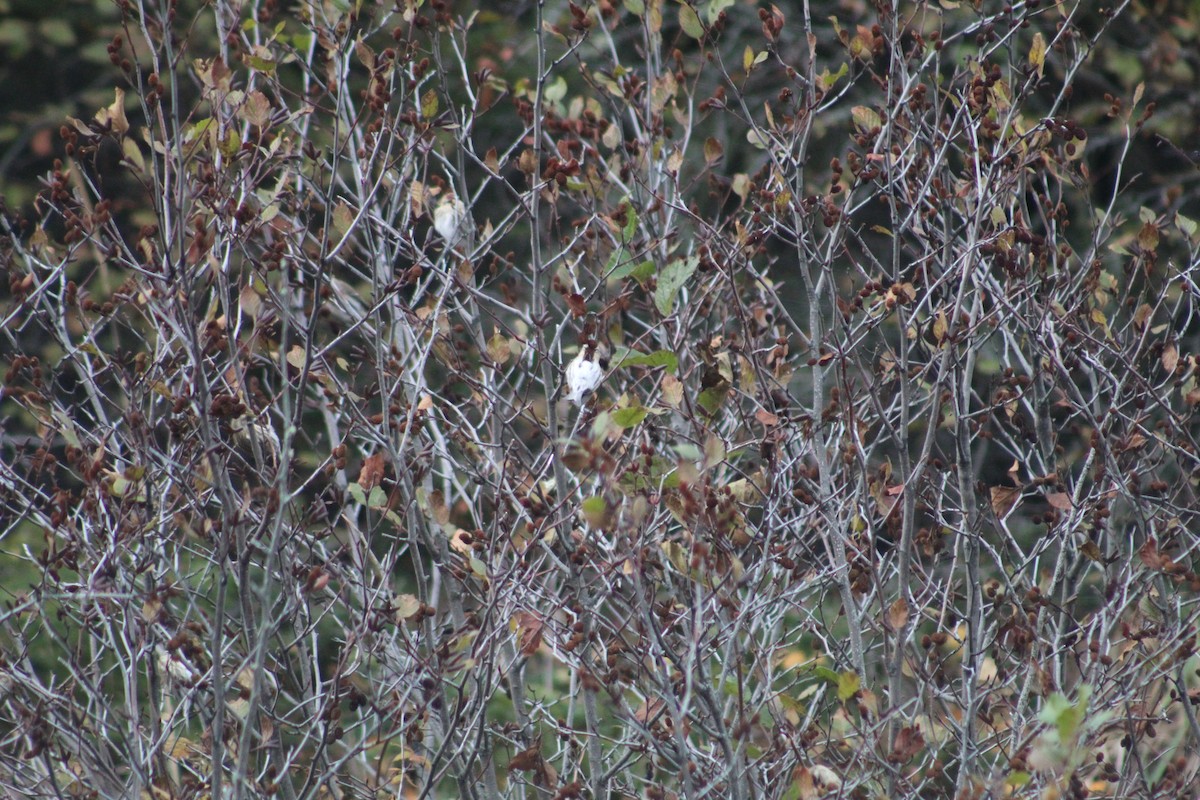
[[766, 417]]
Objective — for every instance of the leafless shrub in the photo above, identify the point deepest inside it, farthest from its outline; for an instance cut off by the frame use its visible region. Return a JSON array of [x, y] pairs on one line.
[[873, 474]]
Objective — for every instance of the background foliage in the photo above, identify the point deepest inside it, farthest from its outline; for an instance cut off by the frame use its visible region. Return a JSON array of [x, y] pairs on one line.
[[889, 488]]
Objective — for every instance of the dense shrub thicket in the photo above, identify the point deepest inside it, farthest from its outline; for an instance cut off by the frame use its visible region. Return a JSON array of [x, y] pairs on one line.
[[601, 399]]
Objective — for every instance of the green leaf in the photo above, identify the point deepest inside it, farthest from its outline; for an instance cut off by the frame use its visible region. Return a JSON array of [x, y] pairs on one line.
[[594, 511], [642, 272], [356, 492], [827, 79], [57, 32], [629, 417], [714, 451], [1188, 226], [260, 64], [639, 271], [689, 20], [671, 280], [659, 358], [631, 223], [635, 7], [662, 473], [714, 9], [556, 91], [1019, 778], [712, 398], [66, 427], [826, 674], [378, 498], [1064, 715]]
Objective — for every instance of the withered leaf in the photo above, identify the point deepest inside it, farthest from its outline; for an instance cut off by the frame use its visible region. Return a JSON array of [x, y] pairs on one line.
[[1004, 500], [372, 471]]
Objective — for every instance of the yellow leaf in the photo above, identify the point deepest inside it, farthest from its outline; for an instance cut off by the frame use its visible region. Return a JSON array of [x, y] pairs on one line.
[[672, 389], [405, 606], [866, 119], [498, 348], [296, 356], [713, 151], [1037, 53], [429, 104], [114, 115]]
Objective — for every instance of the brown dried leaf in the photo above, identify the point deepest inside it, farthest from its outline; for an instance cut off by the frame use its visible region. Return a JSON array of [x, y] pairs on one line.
[[1153, 558], [1092, 551], [577, 304], [419, 197], [909, 742], [372, 472], [256, 110], [527, 162], [250, 302], [803, 786], [713, 151], [897, 616], [1142, 316], [1004, 500], [460, 542], [1059, 500], [766, 417], [528, 759], [1170, 358], [529, 629]]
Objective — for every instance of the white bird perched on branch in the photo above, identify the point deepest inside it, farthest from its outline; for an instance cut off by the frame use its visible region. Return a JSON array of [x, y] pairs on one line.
[[586, 370], [583, 376], [450, 220]]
